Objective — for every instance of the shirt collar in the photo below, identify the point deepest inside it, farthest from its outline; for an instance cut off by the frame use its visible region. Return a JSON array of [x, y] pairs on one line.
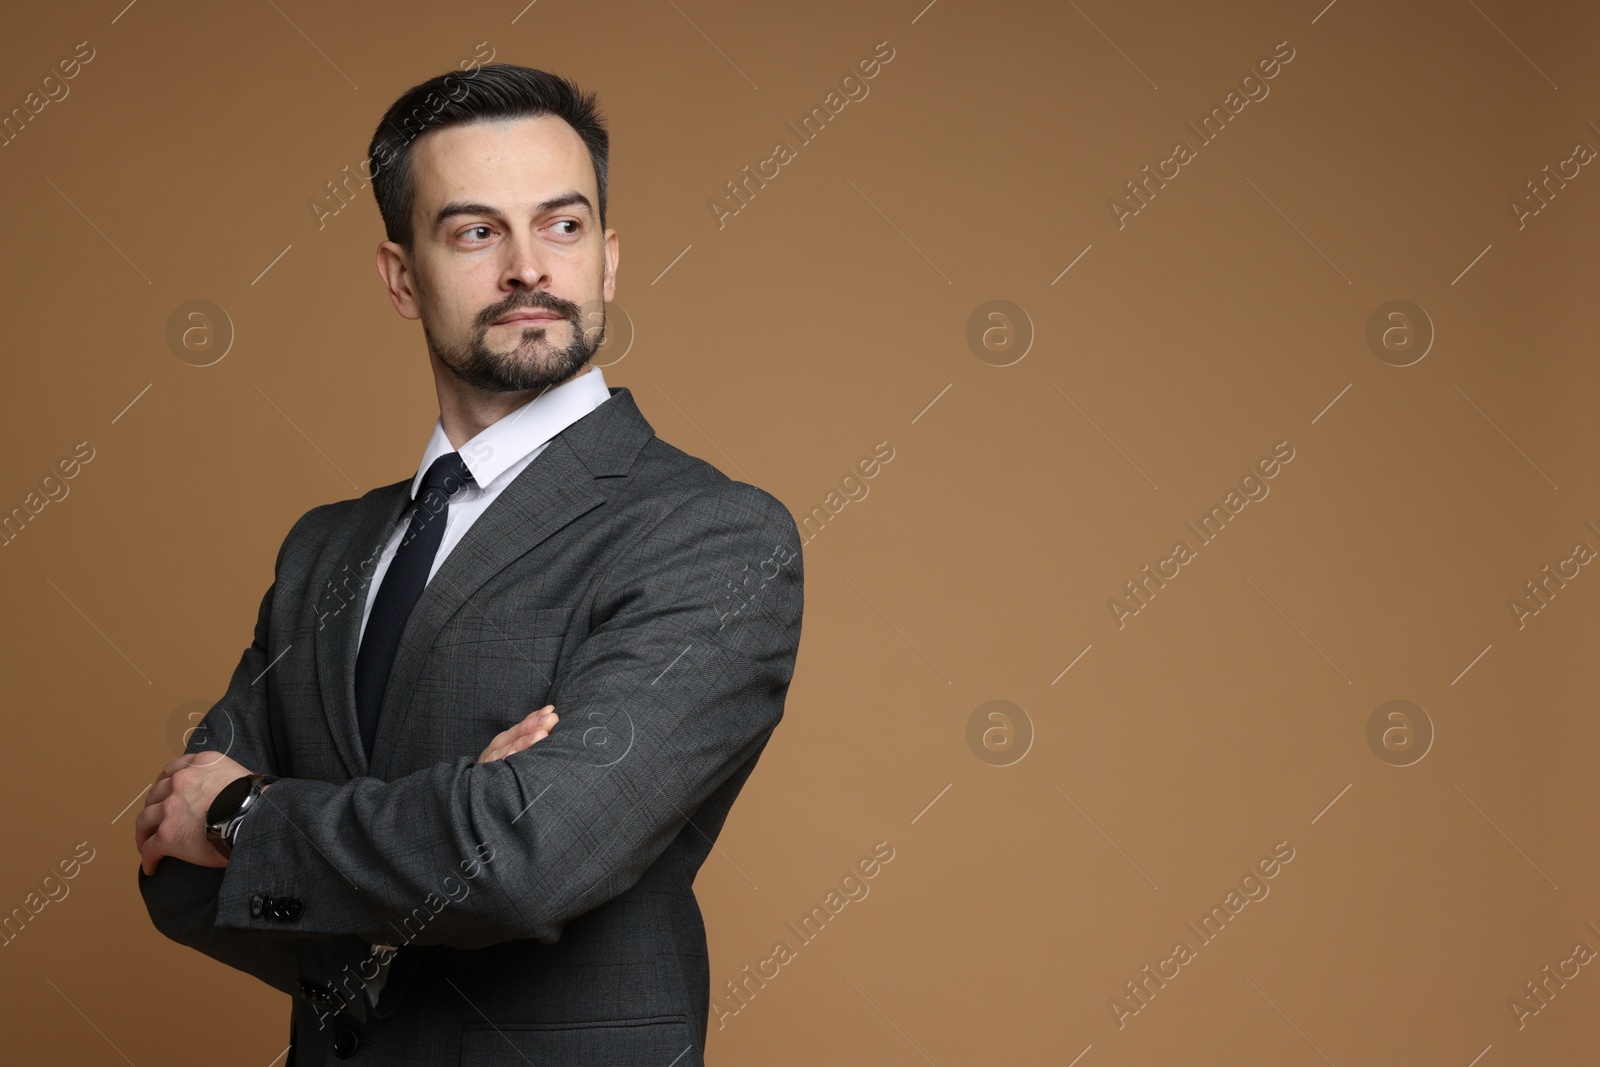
[[509, 439]]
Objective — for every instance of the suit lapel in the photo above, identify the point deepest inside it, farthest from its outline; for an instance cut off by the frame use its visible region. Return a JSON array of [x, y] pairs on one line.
[[337, 641], [551, 492]]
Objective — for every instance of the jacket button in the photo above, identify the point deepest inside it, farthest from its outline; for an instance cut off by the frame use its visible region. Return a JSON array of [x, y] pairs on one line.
[[257, 902], [345, 1044], [292, 908]]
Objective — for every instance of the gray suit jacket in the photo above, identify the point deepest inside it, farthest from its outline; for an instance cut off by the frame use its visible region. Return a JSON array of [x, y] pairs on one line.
[[542, 903]]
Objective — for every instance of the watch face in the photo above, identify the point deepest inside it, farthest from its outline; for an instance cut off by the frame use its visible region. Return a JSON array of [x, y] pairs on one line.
[[227, 802]]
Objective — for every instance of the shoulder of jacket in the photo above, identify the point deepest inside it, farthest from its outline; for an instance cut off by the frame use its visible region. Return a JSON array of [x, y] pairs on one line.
[[671, 481], [315, 523], [674, 477]]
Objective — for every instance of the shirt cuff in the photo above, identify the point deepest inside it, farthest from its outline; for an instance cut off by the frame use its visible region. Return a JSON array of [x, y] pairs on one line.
[[376, 983]]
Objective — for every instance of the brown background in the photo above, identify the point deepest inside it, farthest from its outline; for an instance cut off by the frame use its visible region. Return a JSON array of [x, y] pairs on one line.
[[830, 314]]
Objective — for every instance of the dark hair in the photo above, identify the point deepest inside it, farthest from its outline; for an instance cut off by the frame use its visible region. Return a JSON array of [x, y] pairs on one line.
[[491, 91]]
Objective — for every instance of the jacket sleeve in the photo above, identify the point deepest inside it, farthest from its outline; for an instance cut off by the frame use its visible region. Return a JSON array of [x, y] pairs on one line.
[[181, 897], [680, 682]]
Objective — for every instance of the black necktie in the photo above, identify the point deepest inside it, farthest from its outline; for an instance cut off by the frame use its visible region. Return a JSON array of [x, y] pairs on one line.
[[402, 587]]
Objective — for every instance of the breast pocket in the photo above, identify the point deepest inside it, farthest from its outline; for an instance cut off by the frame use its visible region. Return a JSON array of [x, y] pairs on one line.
[[657, 1041], [538, 631], [481, 675]]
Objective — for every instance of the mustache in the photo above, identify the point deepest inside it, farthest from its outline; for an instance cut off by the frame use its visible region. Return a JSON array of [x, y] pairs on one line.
[[536, 299]]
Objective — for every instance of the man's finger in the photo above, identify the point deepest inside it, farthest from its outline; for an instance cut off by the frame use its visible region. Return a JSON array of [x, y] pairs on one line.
[[499, 741], [528, 722], [152, 854], [529, 741], [536, 721], [507, 740], [174, 764], [158, 792], [528, 726], [537, 714], [146, 823], [518, 744]]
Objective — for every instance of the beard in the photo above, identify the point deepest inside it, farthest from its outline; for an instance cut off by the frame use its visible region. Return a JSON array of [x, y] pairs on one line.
[[534, 363]]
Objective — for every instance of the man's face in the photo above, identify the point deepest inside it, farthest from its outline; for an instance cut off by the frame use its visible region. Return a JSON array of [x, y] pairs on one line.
[[510, 271]]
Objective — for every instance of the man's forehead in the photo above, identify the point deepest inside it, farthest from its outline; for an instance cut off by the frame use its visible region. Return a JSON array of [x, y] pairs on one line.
[[531, 155]]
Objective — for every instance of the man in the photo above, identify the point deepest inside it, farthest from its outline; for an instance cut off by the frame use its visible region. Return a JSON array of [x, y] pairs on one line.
[[383, 811]]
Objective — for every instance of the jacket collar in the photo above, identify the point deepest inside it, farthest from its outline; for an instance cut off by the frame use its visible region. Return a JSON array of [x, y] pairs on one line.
[[494, 451]]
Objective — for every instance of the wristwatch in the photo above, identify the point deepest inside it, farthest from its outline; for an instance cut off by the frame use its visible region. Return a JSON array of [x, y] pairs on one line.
[[228, 810]]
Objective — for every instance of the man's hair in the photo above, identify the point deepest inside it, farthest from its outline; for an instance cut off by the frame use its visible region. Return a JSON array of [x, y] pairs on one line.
[[492, 91]]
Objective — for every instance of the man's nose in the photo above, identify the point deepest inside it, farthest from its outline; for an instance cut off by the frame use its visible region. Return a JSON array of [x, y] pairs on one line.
[[526, 264]]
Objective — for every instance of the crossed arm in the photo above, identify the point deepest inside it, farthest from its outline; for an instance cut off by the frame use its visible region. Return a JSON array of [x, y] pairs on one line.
[[678, 685], [194, 779]]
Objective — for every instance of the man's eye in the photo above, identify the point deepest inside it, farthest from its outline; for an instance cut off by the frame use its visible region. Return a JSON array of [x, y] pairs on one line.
[[475, 229], [569, 222]]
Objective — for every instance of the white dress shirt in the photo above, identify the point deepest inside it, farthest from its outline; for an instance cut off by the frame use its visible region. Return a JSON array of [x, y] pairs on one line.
[[495, 457]]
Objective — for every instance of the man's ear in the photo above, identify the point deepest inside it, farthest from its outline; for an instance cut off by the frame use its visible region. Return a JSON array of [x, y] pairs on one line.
[[608, 282], [394, 267]]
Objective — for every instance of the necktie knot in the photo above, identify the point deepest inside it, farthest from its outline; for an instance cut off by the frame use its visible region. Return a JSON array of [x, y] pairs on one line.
[[447, 474]]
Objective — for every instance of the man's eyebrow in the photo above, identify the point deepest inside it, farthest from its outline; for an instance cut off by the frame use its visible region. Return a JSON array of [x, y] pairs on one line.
[[458, 207]]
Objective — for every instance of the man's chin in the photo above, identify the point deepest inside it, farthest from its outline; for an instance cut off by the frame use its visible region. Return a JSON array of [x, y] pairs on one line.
[[518, 372]]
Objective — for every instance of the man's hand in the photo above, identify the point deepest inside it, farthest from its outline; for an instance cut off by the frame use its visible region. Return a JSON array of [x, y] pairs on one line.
[[173, 822], [536, 727]]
